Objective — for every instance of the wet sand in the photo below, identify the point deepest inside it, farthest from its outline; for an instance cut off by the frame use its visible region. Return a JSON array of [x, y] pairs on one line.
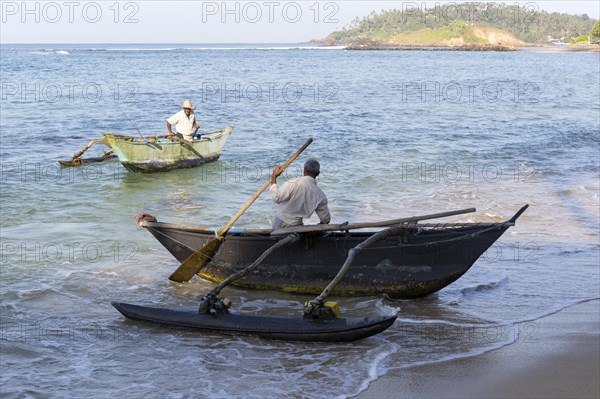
[[559, 360]]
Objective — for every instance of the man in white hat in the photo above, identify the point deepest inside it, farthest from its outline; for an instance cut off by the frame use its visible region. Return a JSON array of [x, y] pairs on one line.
[[185, 121]]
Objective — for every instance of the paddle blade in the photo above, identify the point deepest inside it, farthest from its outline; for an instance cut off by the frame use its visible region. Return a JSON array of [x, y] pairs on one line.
[[194, 263]]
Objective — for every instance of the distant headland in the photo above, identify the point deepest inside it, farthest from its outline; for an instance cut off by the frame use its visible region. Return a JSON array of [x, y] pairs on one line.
[[468, 27]]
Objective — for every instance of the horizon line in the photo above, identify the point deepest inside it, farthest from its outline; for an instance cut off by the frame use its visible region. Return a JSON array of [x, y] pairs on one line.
[[177, 43]]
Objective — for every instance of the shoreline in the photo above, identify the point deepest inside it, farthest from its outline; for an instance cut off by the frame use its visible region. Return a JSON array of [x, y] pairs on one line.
[[532, 49], [430, 48], [563, 362]]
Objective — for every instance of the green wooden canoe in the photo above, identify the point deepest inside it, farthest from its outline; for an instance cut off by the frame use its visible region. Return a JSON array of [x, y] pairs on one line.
[[161, 153]]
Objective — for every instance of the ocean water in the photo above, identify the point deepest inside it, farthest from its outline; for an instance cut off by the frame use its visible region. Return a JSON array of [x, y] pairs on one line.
[[397, 134]]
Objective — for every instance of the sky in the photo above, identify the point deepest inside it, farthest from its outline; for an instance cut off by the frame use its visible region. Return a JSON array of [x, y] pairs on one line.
[[160, 21]]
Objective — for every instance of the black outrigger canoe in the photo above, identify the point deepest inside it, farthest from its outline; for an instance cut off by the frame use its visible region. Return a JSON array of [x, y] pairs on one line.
[[279, 328], [419, 260]]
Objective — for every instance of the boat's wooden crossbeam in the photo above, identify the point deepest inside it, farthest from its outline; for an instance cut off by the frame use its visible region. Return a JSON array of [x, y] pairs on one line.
[[353, 226]]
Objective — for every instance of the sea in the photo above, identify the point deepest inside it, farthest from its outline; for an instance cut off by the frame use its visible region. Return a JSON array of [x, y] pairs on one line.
[[397, 133]]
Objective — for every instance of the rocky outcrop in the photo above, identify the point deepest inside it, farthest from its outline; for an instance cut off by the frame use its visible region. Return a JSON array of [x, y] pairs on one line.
[[471, 36], [497, 37]]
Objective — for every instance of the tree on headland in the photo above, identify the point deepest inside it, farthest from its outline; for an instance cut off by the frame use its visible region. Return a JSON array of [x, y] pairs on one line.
[[580, 39], [595, 32], [528, 24]]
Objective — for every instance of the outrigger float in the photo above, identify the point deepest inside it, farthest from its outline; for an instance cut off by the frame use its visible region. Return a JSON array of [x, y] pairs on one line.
[[278, 328], [156, 153], [320, 322]]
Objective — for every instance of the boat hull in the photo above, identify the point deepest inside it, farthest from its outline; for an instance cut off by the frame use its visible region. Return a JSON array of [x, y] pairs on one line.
[[415, 263], [268, 327], [162, 154]]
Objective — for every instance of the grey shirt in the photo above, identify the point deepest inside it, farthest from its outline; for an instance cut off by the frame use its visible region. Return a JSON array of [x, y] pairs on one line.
[[299, 198]]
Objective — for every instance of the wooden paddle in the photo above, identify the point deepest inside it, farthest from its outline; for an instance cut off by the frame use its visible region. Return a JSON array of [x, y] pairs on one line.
[[352, 226], [194, 263]]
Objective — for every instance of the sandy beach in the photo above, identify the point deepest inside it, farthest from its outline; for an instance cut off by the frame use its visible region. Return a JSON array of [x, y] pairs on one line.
[[591, 48], [561, 359]]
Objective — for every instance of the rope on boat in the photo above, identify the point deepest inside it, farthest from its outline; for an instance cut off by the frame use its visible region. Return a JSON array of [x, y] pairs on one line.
[[173, 239], [462, 237], [185, 245]]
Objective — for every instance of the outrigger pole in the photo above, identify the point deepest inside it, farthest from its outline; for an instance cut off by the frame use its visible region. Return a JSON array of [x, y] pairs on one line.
[[315, 309], [210, 303], [77, 160], [318, 308]]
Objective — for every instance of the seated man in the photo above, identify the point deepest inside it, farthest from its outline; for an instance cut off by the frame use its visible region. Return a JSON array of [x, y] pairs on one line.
[[184, 121], [299, 197]]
